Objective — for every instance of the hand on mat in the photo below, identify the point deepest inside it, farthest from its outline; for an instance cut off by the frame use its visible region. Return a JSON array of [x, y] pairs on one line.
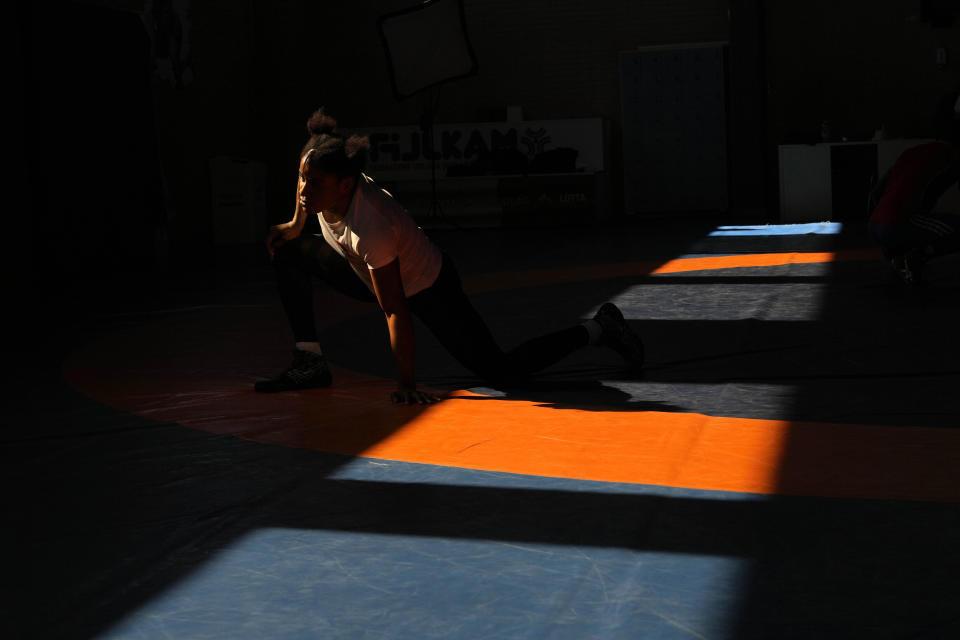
[[413, 396], [281, 234]]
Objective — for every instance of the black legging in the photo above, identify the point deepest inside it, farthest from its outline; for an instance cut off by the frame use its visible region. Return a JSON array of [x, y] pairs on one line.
[[443, 307], [295, 263]]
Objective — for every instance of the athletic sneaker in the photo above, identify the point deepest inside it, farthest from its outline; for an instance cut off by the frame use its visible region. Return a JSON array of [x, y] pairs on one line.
[[909, 267], [618, 335], [307, 371]]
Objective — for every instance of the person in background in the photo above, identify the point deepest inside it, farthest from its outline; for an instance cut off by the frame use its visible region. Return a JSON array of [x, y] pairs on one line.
[[354, 235], [902, 215]]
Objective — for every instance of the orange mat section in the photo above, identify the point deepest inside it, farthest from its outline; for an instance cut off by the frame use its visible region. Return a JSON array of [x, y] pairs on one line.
[[536, 277], [179, 382], [683, 450]]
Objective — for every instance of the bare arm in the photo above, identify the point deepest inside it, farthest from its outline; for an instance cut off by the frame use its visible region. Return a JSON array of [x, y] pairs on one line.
[[282, 233], [389, 289]]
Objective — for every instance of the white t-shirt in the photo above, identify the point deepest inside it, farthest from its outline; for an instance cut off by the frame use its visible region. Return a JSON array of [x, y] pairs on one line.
[[375, 231]]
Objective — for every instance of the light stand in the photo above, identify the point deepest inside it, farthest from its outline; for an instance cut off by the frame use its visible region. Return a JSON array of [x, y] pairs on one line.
[[427, 46]]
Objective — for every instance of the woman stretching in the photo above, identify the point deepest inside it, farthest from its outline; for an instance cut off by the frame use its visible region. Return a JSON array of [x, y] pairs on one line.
[[355, 226]]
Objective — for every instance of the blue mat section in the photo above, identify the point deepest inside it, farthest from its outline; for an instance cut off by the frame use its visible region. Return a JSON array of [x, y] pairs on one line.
[[381, 549], [290, 582], [811, 228], [319, 584]]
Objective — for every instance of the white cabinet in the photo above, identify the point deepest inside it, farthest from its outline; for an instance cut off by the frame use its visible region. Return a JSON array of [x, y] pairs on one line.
[[811, 178]]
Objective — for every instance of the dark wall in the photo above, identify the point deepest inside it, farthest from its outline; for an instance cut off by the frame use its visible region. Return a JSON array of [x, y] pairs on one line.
[[90, 155], [255, 70], [212, 104], [859, 64], [554, 58]]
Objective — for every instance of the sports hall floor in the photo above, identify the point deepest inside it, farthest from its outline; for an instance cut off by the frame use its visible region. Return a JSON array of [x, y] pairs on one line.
[[788, 466]]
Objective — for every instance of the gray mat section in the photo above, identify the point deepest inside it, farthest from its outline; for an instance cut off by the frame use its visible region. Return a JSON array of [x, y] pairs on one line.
[[819, 342]]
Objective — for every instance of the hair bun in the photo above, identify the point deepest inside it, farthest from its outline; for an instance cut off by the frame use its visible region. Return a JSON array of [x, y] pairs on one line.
[[356, 144], [320, 123]]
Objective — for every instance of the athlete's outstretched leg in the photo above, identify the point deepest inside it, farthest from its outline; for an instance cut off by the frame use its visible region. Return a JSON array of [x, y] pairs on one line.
[[449, 314]]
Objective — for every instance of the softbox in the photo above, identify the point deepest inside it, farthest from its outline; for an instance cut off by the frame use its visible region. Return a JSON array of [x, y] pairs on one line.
[[427, 45]]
